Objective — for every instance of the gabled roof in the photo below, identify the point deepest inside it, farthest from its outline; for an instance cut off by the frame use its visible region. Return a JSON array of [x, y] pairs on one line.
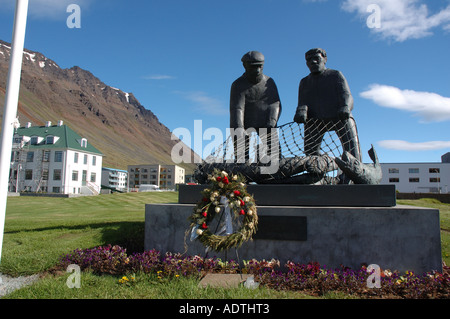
[[68, 138]]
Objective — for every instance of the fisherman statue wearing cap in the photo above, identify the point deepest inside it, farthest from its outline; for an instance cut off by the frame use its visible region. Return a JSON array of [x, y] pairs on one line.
[[254, 98]]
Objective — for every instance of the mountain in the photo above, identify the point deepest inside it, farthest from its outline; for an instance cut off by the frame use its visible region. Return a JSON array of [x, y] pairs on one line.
[[114, 121]]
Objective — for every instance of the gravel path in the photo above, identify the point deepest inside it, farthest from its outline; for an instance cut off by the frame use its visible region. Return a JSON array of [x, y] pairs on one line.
[[9, 284]]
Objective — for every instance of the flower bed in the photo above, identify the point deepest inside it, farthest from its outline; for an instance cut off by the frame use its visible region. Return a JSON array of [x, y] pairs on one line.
[[311, 278]]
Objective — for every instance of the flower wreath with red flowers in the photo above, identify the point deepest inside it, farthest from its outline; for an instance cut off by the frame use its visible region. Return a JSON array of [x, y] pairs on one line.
[[226, 192]]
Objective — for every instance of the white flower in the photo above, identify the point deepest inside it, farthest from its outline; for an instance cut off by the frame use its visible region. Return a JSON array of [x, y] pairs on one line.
[[246, 199], [224, 173], [220, 184], [199, 232], [234, 178], [217, 209], [216, 203]]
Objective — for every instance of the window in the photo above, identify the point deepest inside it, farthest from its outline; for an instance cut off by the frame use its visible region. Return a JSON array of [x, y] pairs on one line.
[[28, 174], [414, 180], [45, 175], [75, 158], [393, 171], [75, 175], [50, 140], [394, 180], [58, 156], [56, 189], [94, 160], [413, 171], [34, 140], [435, 180], [30, 156], [46, 156], [57, 175], [434, 170], [85, 159], [93, 177], [83, 142]]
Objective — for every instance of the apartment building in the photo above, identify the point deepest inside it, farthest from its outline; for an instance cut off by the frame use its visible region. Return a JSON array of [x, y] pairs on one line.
[[418, 177], [54, 159], [164, 176], [114, 179]]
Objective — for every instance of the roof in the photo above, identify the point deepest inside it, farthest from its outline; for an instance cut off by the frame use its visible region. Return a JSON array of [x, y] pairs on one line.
[[68, 138]]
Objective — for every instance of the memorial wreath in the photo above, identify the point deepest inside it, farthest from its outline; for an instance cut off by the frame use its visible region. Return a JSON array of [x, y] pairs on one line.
[[227, 195]]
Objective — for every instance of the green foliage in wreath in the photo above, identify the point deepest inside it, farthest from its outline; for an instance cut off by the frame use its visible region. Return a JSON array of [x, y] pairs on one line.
[[241, 204]]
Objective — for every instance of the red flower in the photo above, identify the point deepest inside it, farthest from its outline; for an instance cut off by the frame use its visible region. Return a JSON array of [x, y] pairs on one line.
[[237, 193], [204, 214], [204, 226], [242, 212], [242, 202], [225, 180], [219, 179]]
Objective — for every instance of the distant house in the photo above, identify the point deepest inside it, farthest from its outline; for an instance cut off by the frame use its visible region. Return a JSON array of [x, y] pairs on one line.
[[418, 177], [163, 176], [54, 159], [114, 179]]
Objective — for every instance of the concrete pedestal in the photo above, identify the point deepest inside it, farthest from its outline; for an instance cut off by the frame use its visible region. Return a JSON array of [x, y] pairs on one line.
[[397, 238]]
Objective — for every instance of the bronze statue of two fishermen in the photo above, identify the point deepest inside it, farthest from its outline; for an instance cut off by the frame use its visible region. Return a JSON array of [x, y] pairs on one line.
[[325, 104]]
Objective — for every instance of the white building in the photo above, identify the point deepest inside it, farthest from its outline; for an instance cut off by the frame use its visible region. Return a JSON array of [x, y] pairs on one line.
[[114, 179], [164, 176], [418, 177], [54, 159]]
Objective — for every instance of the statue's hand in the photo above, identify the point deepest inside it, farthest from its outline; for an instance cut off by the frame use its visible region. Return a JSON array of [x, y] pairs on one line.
[[343, 115], [301, 114], [272, 123], [300, 117]]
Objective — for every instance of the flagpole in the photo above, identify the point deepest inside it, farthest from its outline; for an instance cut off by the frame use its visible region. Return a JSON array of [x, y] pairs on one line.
[[10, 108]]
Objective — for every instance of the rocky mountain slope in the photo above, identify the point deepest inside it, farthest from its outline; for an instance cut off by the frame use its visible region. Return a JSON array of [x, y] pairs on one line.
[[112, 120]]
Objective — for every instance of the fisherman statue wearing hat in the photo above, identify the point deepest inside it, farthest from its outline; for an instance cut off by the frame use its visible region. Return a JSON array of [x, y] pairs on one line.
[[254, 99]]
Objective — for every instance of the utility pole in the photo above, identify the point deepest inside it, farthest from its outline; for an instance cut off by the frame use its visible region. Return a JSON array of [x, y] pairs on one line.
[[10, 108]]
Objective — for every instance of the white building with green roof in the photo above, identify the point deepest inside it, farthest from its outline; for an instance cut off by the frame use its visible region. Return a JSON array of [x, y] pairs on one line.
[[54, 159]]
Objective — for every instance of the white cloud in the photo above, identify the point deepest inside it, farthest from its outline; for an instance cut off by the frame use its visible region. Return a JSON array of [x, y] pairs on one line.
[[205, 104], [158, 77], [401, 19], [431, 107], [408, 146]]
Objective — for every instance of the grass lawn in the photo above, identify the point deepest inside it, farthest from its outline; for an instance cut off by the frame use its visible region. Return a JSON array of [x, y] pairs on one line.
[[39, 230]]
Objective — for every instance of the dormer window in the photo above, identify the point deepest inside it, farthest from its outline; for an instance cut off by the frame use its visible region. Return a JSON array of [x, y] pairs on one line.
[[51, 139], [83, 142], [36, 140]]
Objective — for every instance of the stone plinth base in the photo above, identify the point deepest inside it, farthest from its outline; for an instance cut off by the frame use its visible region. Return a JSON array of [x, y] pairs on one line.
[[396, 238], [307, 195]]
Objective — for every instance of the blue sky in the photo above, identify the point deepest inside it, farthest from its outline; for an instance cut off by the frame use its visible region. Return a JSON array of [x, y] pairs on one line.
[[179, 58]]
